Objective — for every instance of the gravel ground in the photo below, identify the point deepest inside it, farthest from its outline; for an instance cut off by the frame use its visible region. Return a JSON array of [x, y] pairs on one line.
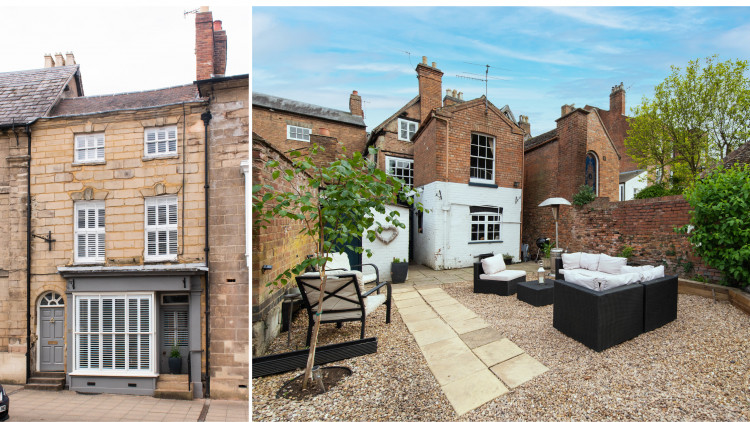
[[695, 368]]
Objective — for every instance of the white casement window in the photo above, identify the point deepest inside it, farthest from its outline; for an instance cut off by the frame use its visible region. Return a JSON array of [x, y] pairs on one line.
[[114, 333], [160, 141], [402, 168], [482, 168], [161, 228], [406, 129], [622, 191], [485, 223], [89, 228], [89, 148], [298, 133]]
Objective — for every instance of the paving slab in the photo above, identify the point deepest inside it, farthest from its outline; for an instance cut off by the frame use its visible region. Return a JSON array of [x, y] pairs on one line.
[[434, 335], [480, 337], [455, 367], [418, 316], [443, 301], [459, 314], [518, 370], [462, 326], [406, 303], [497, 351], [420, 309], [427, 324], [473, 391], [444, 349], [432, 291], [407, 294]]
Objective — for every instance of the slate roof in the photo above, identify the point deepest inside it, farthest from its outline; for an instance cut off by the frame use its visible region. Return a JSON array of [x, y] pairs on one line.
[[741, 155], [539, 139], [29, 94], [278, 103], [629, 175], [126, 101]]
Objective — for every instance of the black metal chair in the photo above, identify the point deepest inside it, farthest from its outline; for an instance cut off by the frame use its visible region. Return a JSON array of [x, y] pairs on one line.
[[343, 300]]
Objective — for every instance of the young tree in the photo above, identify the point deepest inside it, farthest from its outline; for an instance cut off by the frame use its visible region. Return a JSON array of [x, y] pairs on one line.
[[338, 203], [694, 119]]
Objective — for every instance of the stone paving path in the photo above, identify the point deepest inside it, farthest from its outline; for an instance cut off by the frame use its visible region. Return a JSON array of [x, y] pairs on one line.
[[471, 361]]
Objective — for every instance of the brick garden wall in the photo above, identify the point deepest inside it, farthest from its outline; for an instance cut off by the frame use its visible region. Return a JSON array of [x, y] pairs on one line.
[[645, 224], [279, 245]]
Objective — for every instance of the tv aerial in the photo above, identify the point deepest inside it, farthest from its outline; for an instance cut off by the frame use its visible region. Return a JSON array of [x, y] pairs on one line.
[[485, 79]]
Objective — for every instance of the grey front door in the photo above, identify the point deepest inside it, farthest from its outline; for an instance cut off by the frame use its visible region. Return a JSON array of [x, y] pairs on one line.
[[174, 331], [51, 341]]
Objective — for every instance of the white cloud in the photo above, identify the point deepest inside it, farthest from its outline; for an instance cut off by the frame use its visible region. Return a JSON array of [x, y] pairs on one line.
[[378, 68], [736, 38]]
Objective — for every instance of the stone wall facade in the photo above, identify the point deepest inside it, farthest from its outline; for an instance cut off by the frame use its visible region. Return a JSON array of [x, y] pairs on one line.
[[229, 279], [279, 245]]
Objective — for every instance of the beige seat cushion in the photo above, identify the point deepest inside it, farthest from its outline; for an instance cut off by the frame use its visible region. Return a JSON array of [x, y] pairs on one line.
[[506, 275]]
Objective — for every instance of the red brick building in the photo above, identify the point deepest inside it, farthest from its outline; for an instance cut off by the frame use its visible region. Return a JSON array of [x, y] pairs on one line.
[[579, 151], [288, 125]]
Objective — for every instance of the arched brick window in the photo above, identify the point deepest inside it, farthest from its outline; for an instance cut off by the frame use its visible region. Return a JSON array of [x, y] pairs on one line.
[[592, 171]]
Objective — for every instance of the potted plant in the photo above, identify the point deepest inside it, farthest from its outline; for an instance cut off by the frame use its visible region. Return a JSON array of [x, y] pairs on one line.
[[508, 258], [546, 249], [175, 360], [399, 270]]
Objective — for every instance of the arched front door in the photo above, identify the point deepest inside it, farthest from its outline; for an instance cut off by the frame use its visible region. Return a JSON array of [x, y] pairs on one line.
[[51, 330]]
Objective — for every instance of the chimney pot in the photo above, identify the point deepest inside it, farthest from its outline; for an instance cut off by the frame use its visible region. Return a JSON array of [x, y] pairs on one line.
[[433, 64], [424, 60], [448, 92], [355, 92], [454, 94], [217, 25], [460, 95], [203, 9], [48, 61]]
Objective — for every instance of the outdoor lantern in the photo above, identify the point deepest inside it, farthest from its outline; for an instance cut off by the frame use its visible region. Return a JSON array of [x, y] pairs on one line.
[[540, 271]]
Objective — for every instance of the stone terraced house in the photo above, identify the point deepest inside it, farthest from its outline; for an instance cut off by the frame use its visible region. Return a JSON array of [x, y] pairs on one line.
[[136, 229]]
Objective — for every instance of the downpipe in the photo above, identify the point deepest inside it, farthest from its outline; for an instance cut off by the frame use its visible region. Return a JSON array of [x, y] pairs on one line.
[[206, 117]]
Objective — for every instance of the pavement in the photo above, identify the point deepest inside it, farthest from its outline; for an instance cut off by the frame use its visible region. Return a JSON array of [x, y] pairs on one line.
[[69, 406], [471, 361]]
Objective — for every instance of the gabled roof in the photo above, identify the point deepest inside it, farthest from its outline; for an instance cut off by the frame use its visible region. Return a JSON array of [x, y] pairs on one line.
[[741, 155], [394, 115], [298, 107], [126, 101], [629, 175], [503, 112], [534, 142], [30, 94]]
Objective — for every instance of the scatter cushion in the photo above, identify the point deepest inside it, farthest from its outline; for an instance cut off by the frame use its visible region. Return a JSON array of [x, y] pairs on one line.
[[372, 302], [571, 261], [587, 281], [506, 275], [637, 270], [590, 261], [653, 273], [610, 264], [493, 264], [610, 281]]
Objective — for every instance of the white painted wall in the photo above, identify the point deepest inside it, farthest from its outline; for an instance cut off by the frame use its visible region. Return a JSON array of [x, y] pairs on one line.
[[446, 230], [382, 253], [635, 185]]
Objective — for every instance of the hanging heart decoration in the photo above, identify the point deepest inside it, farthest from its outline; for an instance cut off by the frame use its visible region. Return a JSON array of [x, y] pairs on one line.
[[388, 234]]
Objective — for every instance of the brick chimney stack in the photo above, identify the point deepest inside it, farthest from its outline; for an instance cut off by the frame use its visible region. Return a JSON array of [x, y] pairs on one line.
[[355, 104], [523, 123], [59, 60], [430, 88], [210, 46], [617, 100], [567, 108], [48, 60]]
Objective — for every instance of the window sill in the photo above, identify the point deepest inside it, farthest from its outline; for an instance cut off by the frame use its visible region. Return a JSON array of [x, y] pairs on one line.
[[298, 140], [161, 260], [483, 185], [485, 241], [105, 373], [88, 163], [88, 263], [159, 157]]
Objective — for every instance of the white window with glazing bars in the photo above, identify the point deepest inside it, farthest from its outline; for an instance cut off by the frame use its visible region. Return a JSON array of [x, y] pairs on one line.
[[160, 141], [89, 148], [161, 228], [90, 231]]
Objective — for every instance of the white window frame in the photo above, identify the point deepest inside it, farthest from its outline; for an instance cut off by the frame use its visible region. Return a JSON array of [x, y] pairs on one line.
[[622, 191], [143, 329], [94, 231], [475, 170], [410, 127], [169, 139], [92, 147], [168, 226], [399, 164], [298, 133], [483, 219]]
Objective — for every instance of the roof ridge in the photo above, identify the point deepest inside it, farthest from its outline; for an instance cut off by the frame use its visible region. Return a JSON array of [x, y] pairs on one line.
[[127, 93]]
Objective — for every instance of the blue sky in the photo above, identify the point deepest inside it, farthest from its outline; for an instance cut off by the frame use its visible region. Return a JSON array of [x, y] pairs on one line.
[[544, 57]]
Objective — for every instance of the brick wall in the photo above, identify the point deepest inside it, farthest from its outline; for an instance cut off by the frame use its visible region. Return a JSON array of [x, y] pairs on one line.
[[271, 125], [617, 125], [388, 143], [279, 245], [230, 328], [644, 224], [540, 181], [426, 153], [430, 89], [609, 162]]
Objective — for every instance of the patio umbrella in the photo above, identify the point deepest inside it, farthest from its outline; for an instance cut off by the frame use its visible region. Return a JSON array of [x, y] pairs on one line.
[[555, 204]]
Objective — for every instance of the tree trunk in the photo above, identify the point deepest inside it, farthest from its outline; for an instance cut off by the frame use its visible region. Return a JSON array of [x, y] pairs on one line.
[[318, 314]]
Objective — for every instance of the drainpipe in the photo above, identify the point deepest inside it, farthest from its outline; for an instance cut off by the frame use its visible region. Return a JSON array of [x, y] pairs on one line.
[[206, 117], [445, 206], [28, 259]]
